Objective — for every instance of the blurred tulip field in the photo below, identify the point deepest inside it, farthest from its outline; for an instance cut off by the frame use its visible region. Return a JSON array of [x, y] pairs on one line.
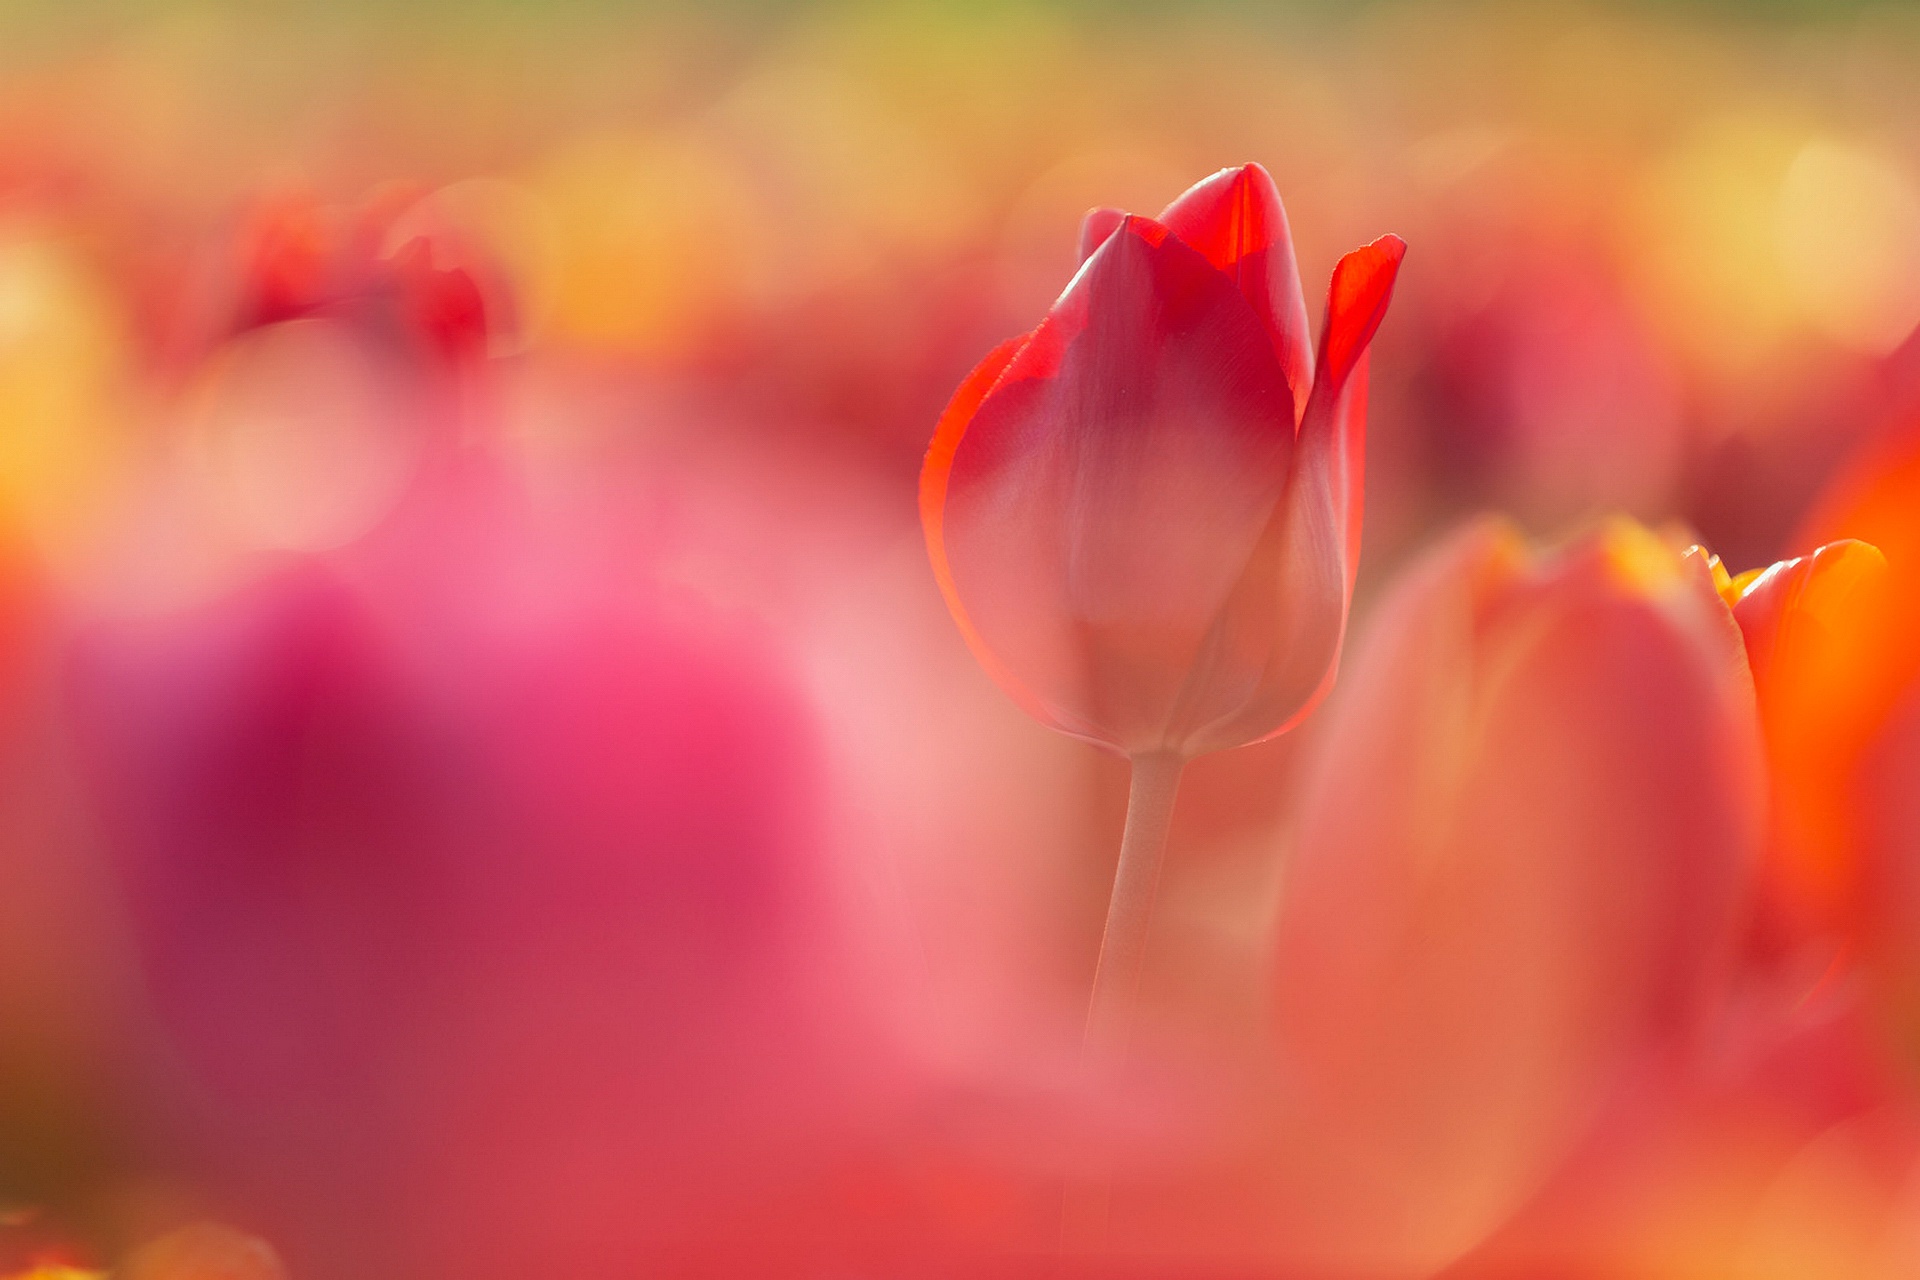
[[843, 640]]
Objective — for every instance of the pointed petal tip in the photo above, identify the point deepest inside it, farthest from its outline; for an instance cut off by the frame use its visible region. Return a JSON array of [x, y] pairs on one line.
[[1236, 219], [1241, 203], [1252, 171], [1255, 172], [1356, 303], [1858, 552], [1097, 227]]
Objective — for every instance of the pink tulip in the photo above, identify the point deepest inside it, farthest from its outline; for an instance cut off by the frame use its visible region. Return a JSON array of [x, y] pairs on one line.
[[481, 901]]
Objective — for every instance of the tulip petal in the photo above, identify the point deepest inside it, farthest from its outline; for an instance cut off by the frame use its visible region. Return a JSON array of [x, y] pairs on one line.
[[1097, 226], [935, 473], [1286, 619], [1816, 633], [1101, 500], [1236, 220], [1799, 597], [1356, 303]]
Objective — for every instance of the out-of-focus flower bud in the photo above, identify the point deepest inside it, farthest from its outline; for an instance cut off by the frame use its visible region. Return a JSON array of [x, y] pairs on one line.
[[34, 1248], [1145, 513], [1843, 708], [1792, 605], [203, 1251], [297, 259], [1521, 867], [481, 901], [1798, 617]]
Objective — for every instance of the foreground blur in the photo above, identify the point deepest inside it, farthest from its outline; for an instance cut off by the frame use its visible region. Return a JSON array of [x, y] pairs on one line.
[[489, 785]]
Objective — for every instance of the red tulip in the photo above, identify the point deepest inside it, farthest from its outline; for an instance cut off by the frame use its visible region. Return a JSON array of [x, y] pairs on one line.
[[1521, 865], [1145, 513]]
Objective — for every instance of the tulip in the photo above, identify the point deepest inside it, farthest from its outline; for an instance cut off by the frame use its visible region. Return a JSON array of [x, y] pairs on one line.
[[1521, 866], [1843, 706], [1145, 513], [486, 925], [1793, 605], [1802, 621]]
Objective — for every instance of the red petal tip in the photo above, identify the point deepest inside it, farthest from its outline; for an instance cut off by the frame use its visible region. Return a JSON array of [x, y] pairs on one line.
[[1357, 302], [1097, 226]]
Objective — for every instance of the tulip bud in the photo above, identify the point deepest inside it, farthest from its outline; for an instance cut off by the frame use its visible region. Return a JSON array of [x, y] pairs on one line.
[[1790, 606], [1521, 863], [1804, 622], [300, 260], [1843, 708], [1145, 513], [204, 1251]]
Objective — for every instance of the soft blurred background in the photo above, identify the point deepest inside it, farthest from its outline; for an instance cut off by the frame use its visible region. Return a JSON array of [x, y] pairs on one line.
[[487, 782]]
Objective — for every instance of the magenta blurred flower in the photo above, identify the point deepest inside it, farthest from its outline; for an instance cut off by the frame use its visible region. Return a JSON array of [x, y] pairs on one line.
[[480, 894], [1145, 513]]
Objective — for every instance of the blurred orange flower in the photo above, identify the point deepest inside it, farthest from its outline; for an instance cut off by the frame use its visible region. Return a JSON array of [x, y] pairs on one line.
[[1842, 700], [1522, 865]]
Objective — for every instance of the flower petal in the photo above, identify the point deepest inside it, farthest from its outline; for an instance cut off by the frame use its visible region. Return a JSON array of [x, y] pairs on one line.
[[935, 473], [1337, 412], [1097, 226], [1287, 616], [1794, 601], [1818, 642], [1101, 501], [1356, 303], [1235, 219]]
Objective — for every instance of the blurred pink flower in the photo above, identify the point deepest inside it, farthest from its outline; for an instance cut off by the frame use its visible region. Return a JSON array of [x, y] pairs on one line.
[[480, 895]]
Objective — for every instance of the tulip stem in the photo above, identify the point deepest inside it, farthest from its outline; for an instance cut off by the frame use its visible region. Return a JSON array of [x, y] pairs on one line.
[[1116, 978], [1136, 878]]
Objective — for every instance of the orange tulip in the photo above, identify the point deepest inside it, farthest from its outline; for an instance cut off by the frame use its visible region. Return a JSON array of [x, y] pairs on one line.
[[1794, 606], [1521, 863], [1843, 709]]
